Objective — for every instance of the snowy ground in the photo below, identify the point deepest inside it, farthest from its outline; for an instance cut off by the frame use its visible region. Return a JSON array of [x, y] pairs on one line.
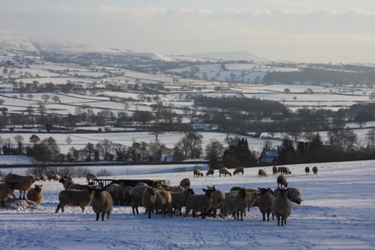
[[337, 213]]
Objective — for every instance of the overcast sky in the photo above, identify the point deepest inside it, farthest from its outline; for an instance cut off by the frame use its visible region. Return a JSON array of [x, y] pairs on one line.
[[296, 30]]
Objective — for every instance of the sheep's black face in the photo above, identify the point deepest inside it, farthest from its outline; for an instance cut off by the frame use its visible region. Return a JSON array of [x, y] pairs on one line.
[[38, 188], [242, 192], [263, 191], [283, 192], [98, 193]]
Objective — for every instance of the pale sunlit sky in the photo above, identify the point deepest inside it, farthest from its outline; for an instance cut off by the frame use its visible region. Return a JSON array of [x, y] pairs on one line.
[[296, 30]]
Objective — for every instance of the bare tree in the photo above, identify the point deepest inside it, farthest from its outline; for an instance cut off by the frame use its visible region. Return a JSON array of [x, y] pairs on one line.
[[45, 97]]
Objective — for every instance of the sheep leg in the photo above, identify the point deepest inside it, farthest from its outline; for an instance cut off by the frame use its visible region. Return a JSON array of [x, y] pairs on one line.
[[268, 216], [83, 209], [97, 216], [264, 216], [2, 203], [149, 213], [108, 215], [58, 208], [103, 216]]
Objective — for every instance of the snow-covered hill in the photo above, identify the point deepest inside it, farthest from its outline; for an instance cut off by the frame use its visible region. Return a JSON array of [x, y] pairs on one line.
[[229, 55]]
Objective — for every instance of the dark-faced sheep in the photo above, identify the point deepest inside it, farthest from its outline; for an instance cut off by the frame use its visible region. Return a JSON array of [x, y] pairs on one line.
[[185, 183], [54, 177], [281, 181], [262, 173], [281, 206], [198, 172], [24, 183], [66, 183], [307, 170], [266, 199], [75, 198], [6, 190], [210, 172], [315, 170], [35, 194], [136, 194], [101, 203], [286, 170], [224, 171], [199, 203], [275, 169], [179, 199], [155, 200], [218, 197], [239, 170], [235, 203]]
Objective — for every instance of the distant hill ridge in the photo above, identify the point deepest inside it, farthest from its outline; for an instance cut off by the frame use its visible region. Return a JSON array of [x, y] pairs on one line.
[[62, 47]]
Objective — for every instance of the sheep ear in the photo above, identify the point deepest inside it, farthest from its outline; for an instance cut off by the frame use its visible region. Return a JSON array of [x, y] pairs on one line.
[[41, 185], [204, 190]]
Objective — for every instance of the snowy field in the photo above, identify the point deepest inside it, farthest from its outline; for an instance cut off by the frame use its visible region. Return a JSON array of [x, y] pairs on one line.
[[337, 213]]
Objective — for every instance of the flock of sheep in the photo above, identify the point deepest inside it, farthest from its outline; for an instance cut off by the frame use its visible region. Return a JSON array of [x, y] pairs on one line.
[[164, 199]]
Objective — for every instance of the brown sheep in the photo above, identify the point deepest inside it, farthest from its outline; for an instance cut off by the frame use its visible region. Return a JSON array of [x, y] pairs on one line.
[[262, 173], [55, 177], [35, 194], [210, 172], [315, 170], [198, 172], [224, 171], [89, 177], [307, 170], [275, 169], [239, 170], [6, 190], [24, 183]]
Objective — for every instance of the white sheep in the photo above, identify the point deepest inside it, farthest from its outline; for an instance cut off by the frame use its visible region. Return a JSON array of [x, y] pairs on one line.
[[224, 171], [235, 203], [262, 173], [239, 170], [265, 201], [155, 200], [198, 172], [199, 203], [89, 177], [315, 170], [179, 199], [35, 194], [282, 206], [185, 183], [102, 203], [294, 195], [24, 183], [6, 190], [136, 194], [281, 180], [75, 198]]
